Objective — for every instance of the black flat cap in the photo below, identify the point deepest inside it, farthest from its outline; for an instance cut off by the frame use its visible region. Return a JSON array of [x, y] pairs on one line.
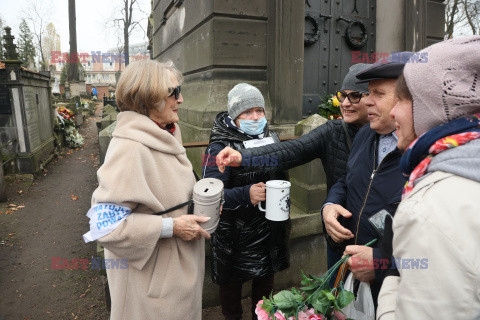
[[390, 68]]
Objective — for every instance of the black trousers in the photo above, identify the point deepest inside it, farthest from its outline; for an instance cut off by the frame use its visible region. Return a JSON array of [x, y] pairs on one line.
[[231, 296]]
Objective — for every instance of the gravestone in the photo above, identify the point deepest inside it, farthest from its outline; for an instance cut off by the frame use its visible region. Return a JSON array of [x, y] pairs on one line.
[[27, 122], [104, 138], [31, 111]]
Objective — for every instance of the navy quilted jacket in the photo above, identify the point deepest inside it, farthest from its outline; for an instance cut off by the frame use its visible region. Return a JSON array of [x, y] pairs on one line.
[[367, 188]]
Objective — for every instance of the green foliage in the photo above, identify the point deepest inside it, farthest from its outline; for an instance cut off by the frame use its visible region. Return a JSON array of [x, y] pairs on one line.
[[329, 108], [63, 75], [1, 37], [26, 48], [315, 293], [343, 299], [288, 301]]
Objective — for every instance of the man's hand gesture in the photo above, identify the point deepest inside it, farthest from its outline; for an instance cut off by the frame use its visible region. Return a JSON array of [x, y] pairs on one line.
[[334, 229]]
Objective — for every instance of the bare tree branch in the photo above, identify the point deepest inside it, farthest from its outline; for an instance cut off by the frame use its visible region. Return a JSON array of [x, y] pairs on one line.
[[126, 19], [38, 14], [462, 17], [468, 8], [452, 13]]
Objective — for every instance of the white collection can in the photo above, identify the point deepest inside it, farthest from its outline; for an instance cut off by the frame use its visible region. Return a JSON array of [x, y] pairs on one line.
[[207, 199]]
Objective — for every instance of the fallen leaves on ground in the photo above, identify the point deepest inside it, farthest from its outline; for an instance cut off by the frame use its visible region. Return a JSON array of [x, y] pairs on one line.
[[73, 197], [13, 207]]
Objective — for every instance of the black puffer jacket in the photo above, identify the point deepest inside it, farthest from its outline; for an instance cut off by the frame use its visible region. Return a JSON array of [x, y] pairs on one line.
[[327, 142], [245, 244]]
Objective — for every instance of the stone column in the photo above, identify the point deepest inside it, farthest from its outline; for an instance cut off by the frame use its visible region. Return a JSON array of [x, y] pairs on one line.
[[424, 23], [217, 44], [390, 31], [409, 24], [285, 59]]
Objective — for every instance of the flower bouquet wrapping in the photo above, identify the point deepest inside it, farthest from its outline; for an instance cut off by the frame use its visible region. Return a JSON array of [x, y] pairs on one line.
[[315, 300], [66, 124]]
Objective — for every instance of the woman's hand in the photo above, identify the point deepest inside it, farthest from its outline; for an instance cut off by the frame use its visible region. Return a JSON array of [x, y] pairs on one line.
[[186, 227], [257, 193], [228, 157]]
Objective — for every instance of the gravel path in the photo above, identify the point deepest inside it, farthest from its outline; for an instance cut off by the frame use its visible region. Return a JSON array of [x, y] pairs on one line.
[[48, 227]]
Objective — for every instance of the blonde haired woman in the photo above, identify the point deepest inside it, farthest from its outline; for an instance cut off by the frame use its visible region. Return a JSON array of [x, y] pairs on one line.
[[146, 171]]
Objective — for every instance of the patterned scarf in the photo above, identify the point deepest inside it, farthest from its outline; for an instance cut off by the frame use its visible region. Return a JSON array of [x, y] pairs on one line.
[[419, 154], [169, 127]]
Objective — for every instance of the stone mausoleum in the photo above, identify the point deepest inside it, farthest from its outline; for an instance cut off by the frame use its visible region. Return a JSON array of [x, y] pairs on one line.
[[295, 52], [26, 125]]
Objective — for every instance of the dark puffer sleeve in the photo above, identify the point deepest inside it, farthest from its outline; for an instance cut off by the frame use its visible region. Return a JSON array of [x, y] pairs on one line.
[[292, 153], [234, 197]]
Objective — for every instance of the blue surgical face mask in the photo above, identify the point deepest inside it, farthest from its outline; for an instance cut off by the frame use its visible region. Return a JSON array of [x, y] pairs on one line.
[[253, 127]]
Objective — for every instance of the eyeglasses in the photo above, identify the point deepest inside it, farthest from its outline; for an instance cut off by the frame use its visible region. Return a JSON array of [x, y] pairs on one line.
[[174, 91], [353, 97]]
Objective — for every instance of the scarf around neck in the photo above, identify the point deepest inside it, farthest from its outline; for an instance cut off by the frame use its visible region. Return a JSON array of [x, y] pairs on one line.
[[417, 157], [169, 127]]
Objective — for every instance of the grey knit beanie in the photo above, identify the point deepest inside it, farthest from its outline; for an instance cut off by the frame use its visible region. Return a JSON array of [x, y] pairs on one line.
[[351, 82], [243, 97], [447, 86]]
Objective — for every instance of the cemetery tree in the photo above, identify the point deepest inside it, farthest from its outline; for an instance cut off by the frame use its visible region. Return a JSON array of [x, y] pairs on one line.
[[461, 16], [1, 38], [37, 14], [72, 64], [63, 75], [26, 48], [472, 13], [127, 23]]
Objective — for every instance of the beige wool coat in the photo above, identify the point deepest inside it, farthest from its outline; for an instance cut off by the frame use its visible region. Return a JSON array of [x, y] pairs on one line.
[[437, 224], [147, 170]]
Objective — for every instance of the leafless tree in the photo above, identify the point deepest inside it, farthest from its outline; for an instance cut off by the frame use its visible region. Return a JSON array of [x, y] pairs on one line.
[[127, 22], [37, 14], [461, 16], [472, 13]]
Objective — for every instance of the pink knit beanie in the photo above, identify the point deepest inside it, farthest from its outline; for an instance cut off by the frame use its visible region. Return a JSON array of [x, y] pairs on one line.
[[447, 86]]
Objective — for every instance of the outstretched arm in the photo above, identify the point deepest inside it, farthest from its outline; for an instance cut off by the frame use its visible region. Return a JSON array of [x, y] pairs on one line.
[[282, 155]]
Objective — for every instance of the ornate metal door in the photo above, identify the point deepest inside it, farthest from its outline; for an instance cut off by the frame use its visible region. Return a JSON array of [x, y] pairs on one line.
[[337, 35]]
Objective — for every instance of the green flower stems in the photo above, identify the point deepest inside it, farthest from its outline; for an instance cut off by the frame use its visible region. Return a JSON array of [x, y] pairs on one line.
[[330, 272]]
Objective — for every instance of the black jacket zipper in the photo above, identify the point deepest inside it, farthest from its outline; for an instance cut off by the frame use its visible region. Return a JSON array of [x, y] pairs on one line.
[[375, 170]]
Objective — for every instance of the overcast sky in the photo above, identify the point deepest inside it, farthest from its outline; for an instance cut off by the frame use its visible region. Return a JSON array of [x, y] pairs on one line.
[[92, 16]]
